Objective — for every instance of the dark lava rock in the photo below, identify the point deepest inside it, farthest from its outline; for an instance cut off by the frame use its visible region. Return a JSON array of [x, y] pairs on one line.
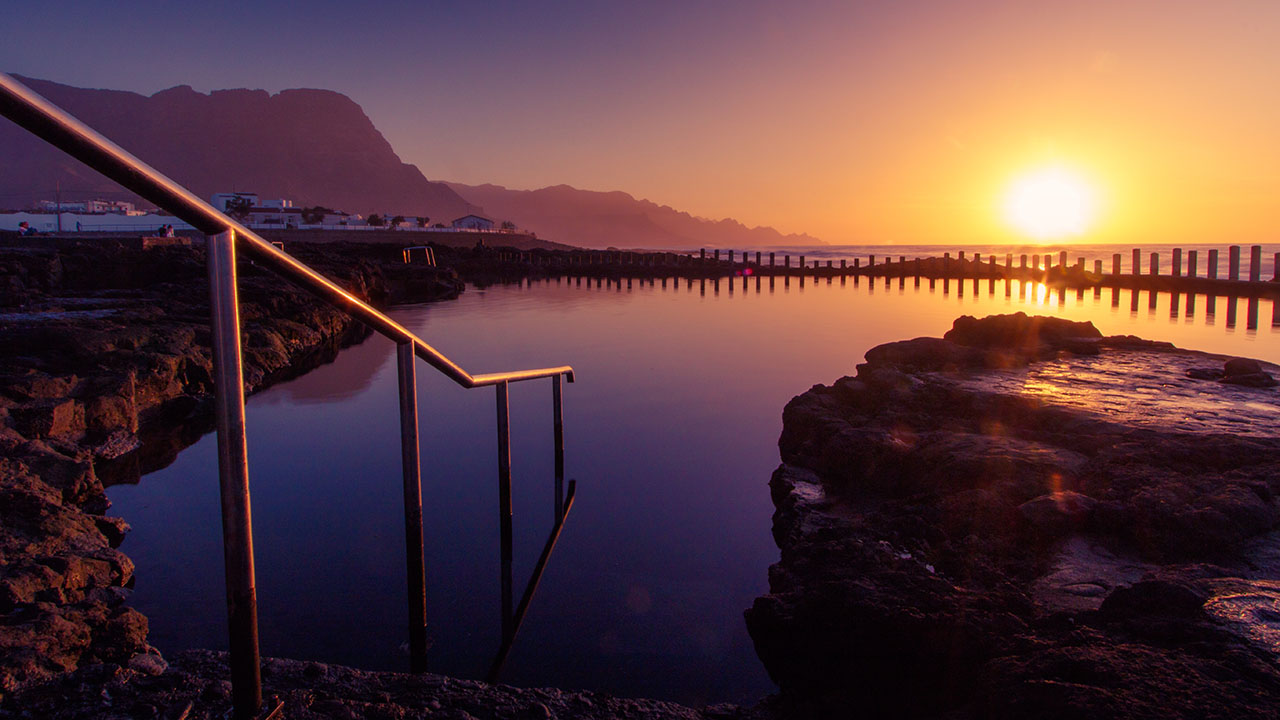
[[964, 537], [1019, 331], [1241, 366], [193, 686], [1255, 380], [1247, 373], [1058, 513], [1155, 597]]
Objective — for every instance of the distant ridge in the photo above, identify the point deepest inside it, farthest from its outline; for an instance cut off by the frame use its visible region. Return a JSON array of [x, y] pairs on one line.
[[602, 219], [315, 147]]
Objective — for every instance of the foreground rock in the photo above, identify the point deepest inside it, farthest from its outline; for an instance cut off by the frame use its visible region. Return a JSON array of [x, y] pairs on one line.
[[1026, 519], [104, 375], [194, 687]]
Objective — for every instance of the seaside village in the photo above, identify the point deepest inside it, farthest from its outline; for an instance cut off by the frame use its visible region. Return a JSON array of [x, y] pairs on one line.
[[50, 216]]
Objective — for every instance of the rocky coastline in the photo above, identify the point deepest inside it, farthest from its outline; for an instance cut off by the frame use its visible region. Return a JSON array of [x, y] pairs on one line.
[[105, 375], [1027, 519]]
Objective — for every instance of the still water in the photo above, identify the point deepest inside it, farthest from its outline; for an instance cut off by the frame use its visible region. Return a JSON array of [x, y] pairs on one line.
[[671, 434]]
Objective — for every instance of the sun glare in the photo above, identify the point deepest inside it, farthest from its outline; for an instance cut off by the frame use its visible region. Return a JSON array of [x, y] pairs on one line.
[[1050, 204]]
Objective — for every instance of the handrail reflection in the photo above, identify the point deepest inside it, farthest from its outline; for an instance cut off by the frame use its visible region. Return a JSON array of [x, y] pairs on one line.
[[511, 623]]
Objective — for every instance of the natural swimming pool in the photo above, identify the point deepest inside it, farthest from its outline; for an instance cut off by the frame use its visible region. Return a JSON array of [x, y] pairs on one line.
[[671, 433]]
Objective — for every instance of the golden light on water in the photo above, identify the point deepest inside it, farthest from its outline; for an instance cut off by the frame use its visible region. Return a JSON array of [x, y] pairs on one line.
[[1051, 203]]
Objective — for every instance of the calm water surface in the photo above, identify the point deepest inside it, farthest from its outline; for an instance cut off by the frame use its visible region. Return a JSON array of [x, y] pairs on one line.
[[672, 434]]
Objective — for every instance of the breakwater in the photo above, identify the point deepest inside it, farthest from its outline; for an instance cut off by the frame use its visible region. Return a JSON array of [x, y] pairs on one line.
[[1238, 271]]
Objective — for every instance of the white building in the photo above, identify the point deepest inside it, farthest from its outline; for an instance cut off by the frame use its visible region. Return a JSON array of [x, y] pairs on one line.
[[473, 222], [117, 207], [220, 200], [287, 217]]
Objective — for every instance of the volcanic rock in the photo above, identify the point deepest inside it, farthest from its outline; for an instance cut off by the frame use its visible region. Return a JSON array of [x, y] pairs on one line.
[[1026, 519]]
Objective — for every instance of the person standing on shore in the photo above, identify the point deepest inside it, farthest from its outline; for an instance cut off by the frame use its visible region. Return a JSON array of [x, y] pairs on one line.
[[25, 229]]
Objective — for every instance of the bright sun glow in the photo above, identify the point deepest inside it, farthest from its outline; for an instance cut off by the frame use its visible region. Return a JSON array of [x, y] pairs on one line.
[[1050, 203]]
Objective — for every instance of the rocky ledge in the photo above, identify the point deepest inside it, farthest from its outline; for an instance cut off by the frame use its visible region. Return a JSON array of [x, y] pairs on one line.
[[1027, 519], [195, 687], [104, 375]]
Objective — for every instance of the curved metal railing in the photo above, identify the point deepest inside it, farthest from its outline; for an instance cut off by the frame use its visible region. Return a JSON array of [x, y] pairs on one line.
[[55, 126]]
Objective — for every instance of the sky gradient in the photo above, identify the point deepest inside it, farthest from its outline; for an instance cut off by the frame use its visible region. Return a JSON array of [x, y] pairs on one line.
[[855, 122]]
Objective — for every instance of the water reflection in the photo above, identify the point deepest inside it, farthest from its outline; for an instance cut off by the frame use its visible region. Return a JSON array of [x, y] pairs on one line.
[[512, 619], [673, 430], [1042, 297]]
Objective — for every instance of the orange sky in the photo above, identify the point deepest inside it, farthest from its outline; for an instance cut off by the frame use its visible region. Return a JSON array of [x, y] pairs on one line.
[[906, 125], [857, 122]]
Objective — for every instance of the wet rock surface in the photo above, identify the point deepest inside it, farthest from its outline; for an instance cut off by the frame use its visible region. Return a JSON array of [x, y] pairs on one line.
[[105, 374], [1026, 519], [194, 687]]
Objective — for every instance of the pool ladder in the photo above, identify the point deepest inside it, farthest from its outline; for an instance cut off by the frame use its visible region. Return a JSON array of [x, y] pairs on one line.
[[224, 237]]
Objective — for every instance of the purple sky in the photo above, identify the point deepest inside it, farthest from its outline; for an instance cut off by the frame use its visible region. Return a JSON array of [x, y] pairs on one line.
[[857, 122]]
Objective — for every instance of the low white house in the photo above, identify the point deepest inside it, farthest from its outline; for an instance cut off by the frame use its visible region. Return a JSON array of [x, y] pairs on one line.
[[117, 207], [473, 222], [220, 200], [284, 217]]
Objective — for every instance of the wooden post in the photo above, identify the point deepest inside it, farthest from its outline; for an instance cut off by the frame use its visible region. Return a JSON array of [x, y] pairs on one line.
[[802, 265], [1233, 263], [1022, 264], [1097, 267], [1137, 262], [1115, 264], [1191, 272], [1275, 276], [717, 258], [1155, 263], [730, 257], [842, 264], [1177, 262], [702, 255], [1062, 260], [757, 257], [770, 259], [1255, 263], [786, 262], [1211, 269]]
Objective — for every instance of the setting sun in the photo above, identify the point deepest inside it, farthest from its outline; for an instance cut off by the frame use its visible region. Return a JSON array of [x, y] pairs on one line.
[[1050, 204]]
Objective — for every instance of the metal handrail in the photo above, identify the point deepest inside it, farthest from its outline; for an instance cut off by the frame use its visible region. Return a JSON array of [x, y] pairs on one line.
[[57, 127], [42, 118]]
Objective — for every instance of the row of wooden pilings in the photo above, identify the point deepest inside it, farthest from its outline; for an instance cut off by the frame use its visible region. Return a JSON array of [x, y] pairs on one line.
[[1184, 266]]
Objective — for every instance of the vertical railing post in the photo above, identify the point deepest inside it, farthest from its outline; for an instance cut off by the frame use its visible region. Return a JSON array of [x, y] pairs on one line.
[[415, 560], [557, 408], [504, 502], [233, 477]]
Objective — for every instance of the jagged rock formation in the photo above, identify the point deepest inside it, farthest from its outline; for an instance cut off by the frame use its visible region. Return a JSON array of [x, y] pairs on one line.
[[1026, 519]]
